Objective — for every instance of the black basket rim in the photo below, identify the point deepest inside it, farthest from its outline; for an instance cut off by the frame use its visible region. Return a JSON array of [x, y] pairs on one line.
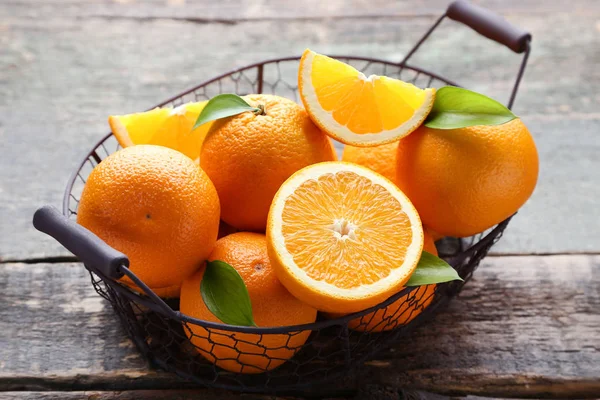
[[313, 326], [297, 58], [73, 175], [336, 321]]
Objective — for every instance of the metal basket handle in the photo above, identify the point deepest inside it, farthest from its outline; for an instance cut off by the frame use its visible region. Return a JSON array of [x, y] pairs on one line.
[[88, 247], [95, 254], [490, 25]]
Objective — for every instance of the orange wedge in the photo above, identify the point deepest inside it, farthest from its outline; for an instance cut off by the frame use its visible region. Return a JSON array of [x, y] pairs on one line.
[[342, 238], [359, 110], [168, 127]]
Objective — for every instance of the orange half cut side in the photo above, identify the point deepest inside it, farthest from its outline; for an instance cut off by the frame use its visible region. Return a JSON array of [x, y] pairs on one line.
[[342, 238]]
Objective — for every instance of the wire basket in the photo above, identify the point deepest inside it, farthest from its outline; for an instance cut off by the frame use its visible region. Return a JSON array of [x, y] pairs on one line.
[[184, 345]]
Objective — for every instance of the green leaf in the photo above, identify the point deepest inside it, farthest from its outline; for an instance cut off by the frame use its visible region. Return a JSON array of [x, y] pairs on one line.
[[432, 269], [225, 294], [222, 106], [456, 107]]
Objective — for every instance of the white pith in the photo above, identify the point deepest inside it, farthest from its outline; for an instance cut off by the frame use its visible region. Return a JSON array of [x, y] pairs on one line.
[[179, 110], [326, 118], [398, 275], [343, 229]]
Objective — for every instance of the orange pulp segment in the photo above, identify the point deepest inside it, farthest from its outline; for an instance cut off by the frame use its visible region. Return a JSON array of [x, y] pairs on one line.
[[342, 238], [356, 109], [168, 127]]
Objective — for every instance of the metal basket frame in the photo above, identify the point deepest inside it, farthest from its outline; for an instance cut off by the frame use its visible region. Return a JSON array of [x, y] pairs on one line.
[[162, 333]]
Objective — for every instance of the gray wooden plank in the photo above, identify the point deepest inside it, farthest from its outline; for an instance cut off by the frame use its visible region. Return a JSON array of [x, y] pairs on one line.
[[60, 78], [523, 327], [203, 394], [232, 11], [371, 393]]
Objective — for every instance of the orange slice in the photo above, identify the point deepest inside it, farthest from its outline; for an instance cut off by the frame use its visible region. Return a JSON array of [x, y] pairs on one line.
[[359, 110], [168, 127], [342, 238]]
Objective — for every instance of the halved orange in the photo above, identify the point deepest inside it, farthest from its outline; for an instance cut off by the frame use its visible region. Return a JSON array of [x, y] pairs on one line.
[[356, 109], [168, 127], [403, 310], [342, 238]]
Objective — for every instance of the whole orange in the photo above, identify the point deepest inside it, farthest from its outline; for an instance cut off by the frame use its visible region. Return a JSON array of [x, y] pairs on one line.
[[464, 181], [158, 207], [249, 156], [169, 292], [381, 159], [403, 310], [272, 305]]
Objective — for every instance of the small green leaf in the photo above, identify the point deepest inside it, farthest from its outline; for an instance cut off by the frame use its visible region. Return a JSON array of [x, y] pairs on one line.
[[456, 107], [225, 294], [222, 106], [432, 269]]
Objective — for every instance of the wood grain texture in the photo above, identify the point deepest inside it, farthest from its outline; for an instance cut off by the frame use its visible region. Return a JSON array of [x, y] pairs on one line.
[[204, 394], [371, 392], [525, 326], [60, 77], [234, 11]]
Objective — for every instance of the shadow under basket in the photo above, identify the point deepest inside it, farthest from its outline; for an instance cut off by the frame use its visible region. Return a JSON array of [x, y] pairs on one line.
[[334, 346]]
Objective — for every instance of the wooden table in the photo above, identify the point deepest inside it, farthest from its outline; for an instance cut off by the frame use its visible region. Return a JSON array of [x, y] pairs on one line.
[[527, 325]]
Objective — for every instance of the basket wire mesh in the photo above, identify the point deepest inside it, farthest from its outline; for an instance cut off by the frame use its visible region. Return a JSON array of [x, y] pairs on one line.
[[178, 343]]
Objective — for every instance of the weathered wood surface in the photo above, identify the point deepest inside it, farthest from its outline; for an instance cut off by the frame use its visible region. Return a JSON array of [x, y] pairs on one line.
[[525, 326], [63, 71], [230, 12], [371, 393], [137, 395], [376, 393]]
